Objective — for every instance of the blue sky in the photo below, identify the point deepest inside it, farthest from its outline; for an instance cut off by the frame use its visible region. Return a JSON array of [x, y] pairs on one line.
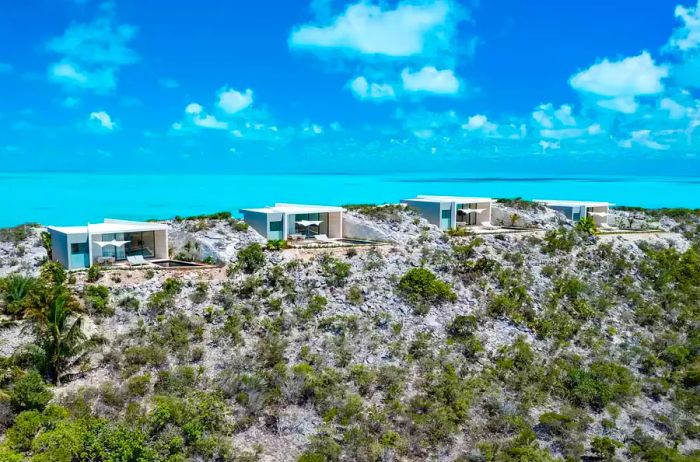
[[322, 85]]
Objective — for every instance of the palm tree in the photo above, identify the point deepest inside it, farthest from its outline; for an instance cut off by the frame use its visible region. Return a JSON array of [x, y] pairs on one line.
[[16, 288], [59, 328]]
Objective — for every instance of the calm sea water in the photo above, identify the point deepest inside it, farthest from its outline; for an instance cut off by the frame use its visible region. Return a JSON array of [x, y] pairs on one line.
[[75, 198]]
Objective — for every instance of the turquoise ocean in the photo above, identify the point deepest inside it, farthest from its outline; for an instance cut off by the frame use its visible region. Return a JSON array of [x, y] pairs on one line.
[[78, 198]]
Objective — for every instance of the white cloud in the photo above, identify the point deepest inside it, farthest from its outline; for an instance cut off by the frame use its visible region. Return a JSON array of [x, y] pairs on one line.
[[232, 101], [169, 83], [643, 138], [196, 115], [542, 117], [365, 90], [363, 28], [565, 115], [103, 120], [480, 123], [430, 80], [91, 54], [687, 37], [674, 109], [549, 145], [618, 83], [624, 104], [209, 121], [424, 133], [313, 129], [547, 116], [194, 108]]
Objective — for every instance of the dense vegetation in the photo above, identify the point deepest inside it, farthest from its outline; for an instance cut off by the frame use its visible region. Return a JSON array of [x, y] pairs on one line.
[[526, 347]]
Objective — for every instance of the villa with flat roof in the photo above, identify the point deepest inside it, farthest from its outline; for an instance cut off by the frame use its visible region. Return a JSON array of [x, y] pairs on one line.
[[575, 210], [114, 240], [449, 212], [296, 221]]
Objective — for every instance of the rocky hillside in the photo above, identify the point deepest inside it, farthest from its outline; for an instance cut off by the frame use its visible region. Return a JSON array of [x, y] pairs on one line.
[[546, 344]]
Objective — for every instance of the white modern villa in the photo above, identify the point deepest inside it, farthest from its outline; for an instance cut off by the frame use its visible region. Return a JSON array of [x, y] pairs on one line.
[[296, 221], [575, 210], [449, 212], [114, 240]]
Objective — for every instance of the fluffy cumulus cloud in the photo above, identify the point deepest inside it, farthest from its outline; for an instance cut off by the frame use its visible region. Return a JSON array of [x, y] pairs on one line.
[[616, 84], [430, 80], [644, 139], [561, 123], [687, 37], [374, 91], [367, 29], [407, 48], [90, 55], [480, 123], [232, 101], [229, 103], [102, 121]]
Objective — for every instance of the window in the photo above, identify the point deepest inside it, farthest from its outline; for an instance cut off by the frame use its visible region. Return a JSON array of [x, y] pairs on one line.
[[275, 226], [79, 247]]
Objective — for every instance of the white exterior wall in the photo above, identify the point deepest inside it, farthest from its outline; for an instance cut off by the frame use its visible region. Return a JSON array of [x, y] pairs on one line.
[[599, 220], [335, 225], [161, 237]]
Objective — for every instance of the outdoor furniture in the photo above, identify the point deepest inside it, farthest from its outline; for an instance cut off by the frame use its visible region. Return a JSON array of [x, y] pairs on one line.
[[136, 260], [103, 260], [322, 238], [308, 224]]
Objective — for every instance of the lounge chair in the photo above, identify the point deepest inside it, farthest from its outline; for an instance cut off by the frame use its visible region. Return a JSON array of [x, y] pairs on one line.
[[135, 260], [322, 238]]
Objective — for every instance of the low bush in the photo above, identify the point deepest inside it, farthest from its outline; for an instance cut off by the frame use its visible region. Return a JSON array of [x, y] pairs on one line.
[[251, 258], [422, 288]]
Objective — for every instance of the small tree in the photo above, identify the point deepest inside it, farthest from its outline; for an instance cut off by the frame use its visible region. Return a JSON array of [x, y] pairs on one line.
[[586, 225], [30, 393], [421, 288], [251, 258], [58, 325], [46, 242], [53, 273], [15, 290]]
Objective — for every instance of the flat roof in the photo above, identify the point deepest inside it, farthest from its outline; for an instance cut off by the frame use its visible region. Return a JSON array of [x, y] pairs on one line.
[[566, 203], [110, 226], [456, 199], [295, 209]]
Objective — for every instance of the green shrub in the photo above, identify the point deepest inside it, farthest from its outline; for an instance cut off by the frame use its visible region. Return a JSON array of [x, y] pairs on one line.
[[355, 295], [278, 244], [52, 272], [94, 273], [605, 447], [586, 226], [422, 288], [97, 299], [600, 384], [462, 327], [138, 385], [558, 240], [251, 258], [335, 271], [27, 424], [30, 392], [15, 290], [315, 306]]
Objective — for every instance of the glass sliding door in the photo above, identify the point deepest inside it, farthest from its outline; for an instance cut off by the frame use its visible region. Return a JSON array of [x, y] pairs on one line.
[[140, 243]]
